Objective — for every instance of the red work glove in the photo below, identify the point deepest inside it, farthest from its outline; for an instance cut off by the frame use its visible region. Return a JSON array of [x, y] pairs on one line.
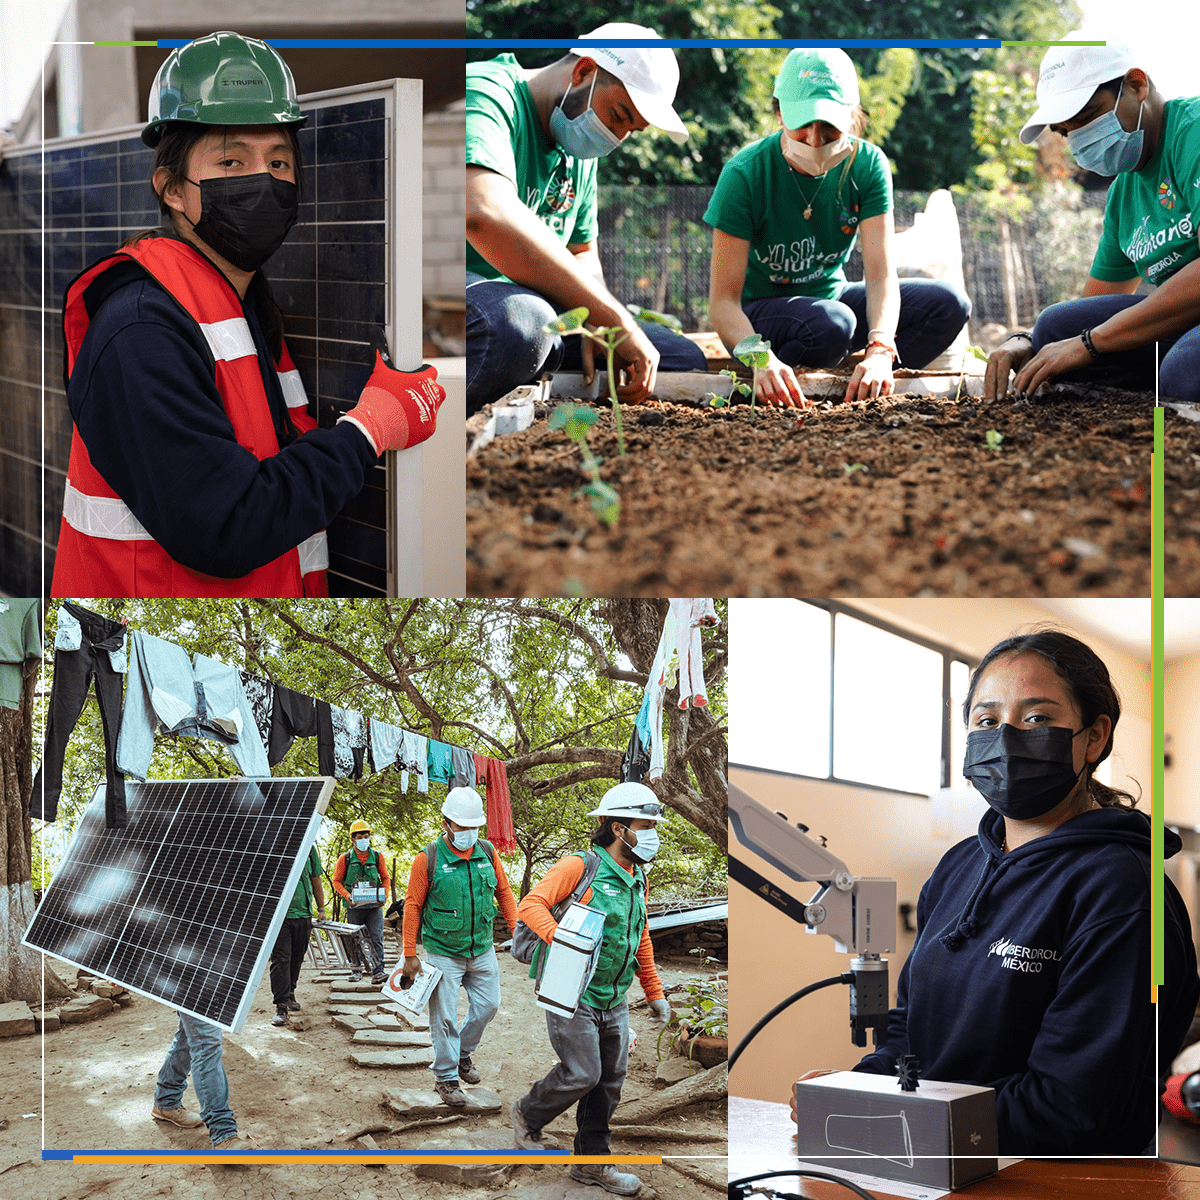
[[398, 409]]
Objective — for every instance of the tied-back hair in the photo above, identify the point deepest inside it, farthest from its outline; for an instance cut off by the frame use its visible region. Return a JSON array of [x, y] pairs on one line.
[[174, 150], [1087, 681]]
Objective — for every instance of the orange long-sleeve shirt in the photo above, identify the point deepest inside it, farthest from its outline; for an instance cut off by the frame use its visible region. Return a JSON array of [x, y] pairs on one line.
[[339, 872], [418, 889], [556, 885]]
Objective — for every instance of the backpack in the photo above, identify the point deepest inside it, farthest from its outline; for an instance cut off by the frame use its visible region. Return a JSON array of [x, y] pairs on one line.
[[524, 940]]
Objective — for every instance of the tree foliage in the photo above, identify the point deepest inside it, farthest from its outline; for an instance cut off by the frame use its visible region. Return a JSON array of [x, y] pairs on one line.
[[549, 686]]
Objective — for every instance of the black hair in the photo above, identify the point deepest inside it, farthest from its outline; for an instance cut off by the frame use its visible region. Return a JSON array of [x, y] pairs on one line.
[[1087, 682], [604, 835], [173, 152]]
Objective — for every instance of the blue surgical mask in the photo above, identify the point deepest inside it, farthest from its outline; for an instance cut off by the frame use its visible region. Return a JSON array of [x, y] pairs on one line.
[[464, 839], [647, 845], [362, 843], [1105, 146], [585, 136]]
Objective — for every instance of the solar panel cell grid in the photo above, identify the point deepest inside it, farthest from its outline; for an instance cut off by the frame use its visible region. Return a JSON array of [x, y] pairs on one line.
[[183, 904]]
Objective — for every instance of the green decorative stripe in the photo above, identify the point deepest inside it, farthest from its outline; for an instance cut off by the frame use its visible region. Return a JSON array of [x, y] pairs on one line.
[[1157, 697]]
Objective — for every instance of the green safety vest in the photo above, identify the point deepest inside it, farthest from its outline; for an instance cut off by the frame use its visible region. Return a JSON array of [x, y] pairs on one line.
[[621, 897], [360, 872], [460, 910]]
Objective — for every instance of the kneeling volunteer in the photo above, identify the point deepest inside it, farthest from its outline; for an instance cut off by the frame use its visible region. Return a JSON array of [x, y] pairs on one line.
[[593, 1045]]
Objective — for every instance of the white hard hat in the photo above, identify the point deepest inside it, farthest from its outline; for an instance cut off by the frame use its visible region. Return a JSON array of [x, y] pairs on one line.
[[634, 800], [1068, 78], [650, 75], [463, 806]]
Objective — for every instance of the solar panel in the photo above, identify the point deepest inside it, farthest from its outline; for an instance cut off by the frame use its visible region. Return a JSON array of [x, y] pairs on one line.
[[183, 905]]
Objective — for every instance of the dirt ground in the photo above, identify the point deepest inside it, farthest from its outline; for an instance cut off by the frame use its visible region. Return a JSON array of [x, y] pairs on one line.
[[295, 1091], [895, 497], [1181, 505]]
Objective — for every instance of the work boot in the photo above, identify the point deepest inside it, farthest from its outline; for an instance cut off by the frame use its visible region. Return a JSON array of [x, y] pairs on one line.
[[450, 1092], [466, 1070], [380, 977], [355, 976], [280, 1017], [177, 1116], [240, 1143], [293, 1005], [526, 1138], [605, 1175]]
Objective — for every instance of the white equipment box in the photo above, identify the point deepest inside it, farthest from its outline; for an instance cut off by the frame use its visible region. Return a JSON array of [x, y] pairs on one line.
[[571, 960]]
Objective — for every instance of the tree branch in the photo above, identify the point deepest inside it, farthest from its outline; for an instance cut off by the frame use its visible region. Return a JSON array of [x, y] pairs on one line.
[[604, 666]]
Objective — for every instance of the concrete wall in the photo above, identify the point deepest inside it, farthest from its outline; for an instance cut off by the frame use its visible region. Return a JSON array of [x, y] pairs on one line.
[[445, 256], [876, 833]]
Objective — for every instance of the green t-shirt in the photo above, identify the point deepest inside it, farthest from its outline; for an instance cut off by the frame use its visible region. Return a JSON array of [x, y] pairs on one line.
[[760, 199], [1150, 221], [505, 135], [301, 905]]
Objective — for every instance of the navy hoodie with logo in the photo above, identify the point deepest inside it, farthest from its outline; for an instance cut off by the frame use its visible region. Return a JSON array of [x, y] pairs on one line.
[[1031, 975]]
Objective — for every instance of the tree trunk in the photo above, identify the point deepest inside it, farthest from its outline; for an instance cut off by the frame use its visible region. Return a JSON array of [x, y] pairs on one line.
[[21, 973], [712, 1084]]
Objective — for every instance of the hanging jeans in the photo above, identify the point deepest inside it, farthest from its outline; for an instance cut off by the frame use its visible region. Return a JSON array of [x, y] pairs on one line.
[[196, 1050], [74, 672]]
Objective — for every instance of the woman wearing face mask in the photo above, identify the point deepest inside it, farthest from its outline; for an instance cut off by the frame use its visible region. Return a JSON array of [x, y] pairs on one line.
[[1117, 124], [195, 468], [1030, 969], [785, 215]]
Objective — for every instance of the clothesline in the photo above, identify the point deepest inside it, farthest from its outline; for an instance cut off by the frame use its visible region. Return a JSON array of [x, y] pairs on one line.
[[255, 718]]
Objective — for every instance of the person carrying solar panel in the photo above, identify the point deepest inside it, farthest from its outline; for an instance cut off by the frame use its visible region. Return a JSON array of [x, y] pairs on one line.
[[195, 466], [593, 1045], [454, 886], [533, 138], [1119, 125], [363, 865]]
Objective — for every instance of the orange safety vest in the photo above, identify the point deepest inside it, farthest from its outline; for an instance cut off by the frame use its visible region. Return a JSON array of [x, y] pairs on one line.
[[103, 550]]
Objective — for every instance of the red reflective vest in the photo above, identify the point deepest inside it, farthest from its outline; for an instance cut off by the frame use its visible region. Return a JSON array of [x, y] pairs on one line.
[[103, 550]]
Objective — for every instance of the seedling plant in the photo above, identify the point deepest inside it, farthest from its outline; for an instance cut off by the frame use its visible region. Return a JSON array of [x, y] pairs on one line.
[[755, 352], [572, 321], [575, 420]]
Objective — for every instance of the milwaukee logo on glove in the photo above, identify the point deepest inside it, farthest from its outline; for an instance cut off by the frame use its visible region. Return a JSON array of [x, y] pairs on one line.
[[398, 409]]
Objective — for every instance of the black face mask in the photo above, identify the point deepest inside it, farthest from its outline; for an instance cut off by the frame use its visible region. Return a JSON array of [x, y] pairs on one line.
[[1022, 773], [245, 218]]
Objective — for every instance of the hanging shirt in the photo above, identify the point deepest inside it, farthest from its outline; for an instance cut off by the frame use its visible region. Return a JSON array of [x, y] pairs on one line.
[[261, 694], [293, 715], [385, 744], [441, 762], [20, 639], [414, 757], [662, 676], [690, 616], [463, 770]]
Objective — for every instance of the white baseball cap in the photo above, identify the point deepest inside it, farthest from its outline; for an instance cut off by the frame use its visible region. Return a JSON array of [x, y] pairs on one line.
[[649, 76], [1068, 77]]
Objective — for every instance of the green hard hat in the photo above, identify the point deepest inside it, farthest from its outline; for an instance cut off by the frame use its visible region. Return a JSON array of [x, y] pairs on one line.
[[222, 79]]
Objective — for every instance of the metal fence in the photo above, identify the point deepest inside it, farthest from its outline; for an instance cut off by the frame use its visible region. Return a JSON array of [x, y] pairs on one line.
[[655, 250]]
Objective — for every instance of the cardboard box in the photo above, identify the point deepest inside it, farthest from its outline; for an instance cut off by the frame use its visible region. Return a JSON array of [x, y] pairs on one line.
[[943, 1134], [366, 895], [571, 959]]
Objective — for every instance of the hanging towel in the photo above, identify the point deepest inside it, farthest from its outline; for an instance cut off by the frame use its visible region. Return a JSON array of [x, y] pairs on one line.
[[690, 616], [662, 676], [494, 776]]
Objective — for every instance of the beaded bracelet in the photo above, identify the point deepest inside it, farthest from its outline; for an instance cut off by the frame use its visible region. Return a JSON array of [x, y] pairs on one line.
[[1086, 337]]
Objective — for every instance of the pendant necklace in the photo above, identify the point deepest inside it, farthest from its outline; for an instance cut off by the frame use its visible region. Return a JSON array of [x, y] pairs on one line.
[[809, 203]]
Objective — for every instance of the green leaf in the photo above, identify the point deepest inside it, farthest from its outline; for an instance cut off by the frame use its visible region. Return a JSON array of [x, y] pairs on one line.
[[570, 321], [605, 501], [754, 351], [574, 419], [851, 468], [992, 439], [655, 318]]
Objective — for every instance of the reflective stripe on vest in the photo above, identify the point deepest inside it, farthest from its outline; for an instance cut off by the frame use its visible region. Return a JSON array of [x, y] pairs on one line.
[[293, 389], [100, 538]]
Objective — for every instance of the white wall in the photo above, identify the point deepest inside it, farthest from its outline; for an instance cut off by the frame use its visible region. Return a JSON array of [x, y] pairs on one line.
[[444, 188], [1181, 716]]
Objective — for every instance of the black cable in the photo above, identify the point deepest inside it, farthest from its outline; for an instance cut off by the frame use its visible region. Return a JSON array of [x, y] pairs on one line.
[[749, 1179], [848, 977]]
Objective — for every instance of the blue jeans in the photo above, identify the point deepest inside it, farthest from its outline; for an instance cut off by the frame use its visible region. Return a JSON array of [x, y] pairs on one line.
[[508, 346], [806, 332], [197, 1049], [372, 918], [480, 976], [593, 1055], [1179, 359]]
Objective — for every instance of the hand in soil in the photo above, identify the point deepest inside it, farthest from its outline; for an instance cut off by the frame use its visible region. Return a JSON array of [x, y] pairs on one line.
[[638, 358], [1055, 358], [1009, 357], [872, 378], [777, 386]]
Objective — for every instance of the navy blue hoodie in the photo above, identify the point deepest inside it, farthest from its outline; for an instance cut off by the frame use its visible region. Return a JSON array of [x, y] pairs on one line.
[[1031, 975]]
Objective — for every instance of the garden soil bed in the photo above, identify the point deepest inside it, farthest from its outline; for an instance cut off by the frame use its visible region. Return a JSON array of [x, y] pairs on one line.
[[893, 497]]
